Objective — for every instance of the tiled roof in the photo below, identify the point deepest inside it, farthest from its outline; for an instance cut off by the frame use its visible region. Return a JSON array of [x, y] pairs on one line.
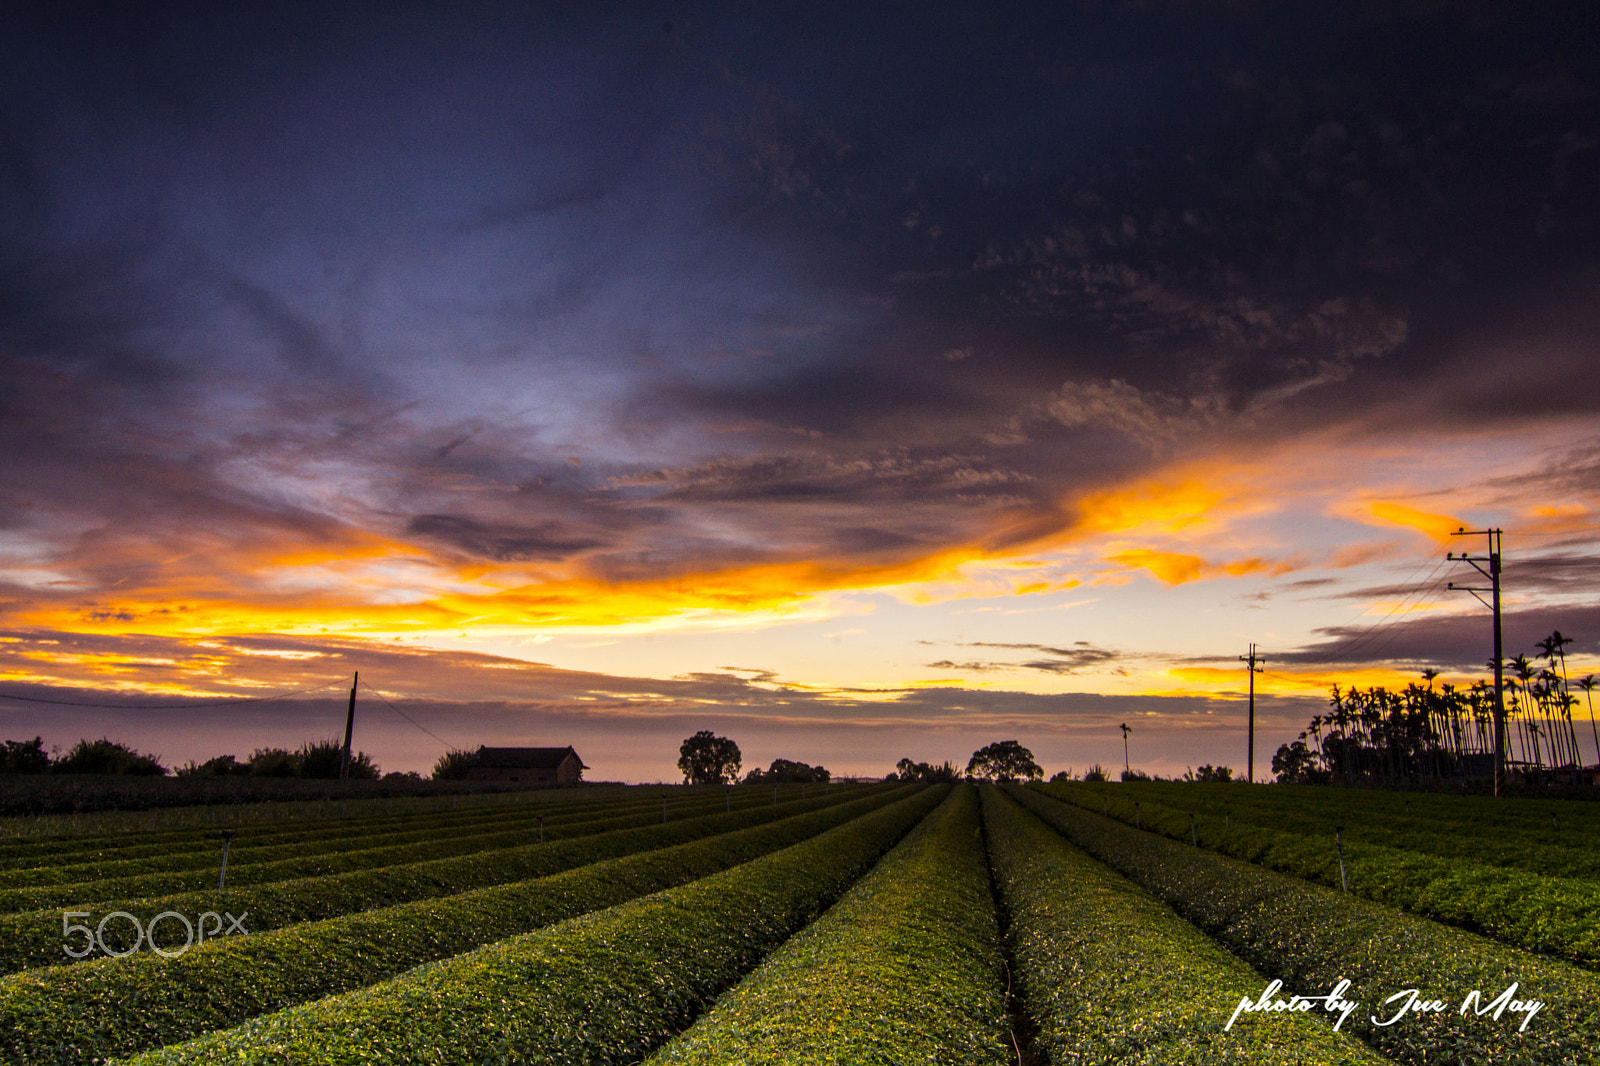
[[523, 758]]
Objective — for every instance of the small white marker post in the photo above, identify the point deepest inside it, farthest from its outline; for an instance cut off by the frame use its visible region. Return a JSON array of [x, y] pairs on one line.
[[1193, 835], [1137, 822], [227, 840], [663, 808], [541, 829]]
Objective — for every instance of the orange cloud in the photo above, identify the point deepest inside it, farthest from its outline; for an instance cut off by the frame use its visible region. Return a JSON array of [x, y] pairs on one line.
[[1176, 568], [1439, 527], [1170, 507], [580, 601], [1170, 567]]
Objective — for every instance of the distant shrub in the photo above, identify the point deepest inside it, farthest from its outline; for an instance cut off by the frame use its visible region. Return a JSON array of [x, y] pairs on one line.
[[906, 770], [453, 765], [318, 760], [24, 757], [221, 766], [788, 771], [1095, 773], [105, 756], [1135, 775], [273, 762], [1061, 775]]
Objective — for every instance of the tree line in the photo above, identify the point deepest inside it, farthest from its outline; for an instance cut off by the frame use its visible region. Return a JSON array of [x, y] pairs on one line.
[[1437, 733], [313, 759]]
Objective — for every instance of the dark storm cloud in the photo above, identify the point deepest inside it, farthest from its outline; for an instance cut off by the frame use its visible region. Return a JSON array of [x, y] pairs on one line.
[[1080, 656], [1458, 641], [862, 283], [1551, 573], [503, 543]]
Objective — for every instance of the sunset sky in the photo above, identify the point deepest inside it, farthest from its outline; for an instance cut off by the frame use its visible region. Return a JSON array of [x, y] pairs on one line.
[[856, 381]]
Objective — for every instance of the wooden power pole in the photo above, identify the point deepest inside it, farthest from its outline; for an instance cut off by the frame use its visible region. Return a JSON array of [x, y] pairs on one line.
[[349, 727]]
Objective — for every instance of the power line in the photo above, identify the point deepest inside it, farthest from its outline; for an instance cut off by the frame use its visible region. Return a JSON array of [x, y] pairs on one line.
[[231, 702], [407, 717], [1427, 585], [1386, 631]]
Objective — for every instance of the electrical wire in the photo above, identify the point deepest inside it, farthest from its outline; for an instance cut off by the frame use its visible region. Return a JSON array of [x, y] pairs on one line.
[[449, 746], [1425, 586]]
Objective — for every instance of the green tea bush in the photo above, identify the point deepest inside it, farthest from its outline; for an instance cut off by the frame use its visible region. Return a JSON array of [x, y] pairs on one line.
[[314, 861], [1552, 915], [604, 988], [272, 843], [1311, 937], [905, 968], [112, 1007], [1110, 974], [34, 938]]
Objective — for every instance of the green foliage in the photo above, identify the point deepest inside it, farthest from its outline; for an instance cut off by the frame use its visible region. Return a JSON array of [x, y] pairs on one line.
[[906, 770], [255, 858], [320, 760], [453, 765], [105, 756], [604, 988], [1110, 974], [114, 1007], [707, 759], [1004, 760], [1208, 774], [1551, 915], [1296, 764], [1095, 773], [315, 759], [1311, 937], [785, 770], [905, 968], [24, 757], [97, 858], [221, 766], [33, 938]]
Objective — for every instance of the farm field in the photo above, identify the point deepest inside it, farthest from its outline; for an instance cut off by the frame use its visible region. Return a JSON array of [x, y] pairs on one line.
[[892, 923], [1526, 872]]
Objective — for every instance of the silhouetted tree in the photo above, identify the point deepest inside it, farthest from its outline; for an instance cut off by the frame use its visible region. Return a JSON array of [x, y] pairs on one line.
[[24, 757], [787, 771], [106, 756], [1004, 760], [453, 764], [221, 766], [707, 759], [906, 770]]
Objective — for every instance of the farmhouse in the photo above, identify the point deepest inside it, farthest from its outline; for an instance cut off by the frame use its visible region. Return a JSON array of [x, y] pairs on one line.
[[537, 766]]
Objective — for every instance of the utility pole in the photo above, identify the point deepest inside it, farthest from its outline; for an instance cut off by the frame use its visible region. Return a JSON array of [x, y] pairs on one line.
[[349, 727], [1125, 731], [1250, 761], [1493, 574]]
